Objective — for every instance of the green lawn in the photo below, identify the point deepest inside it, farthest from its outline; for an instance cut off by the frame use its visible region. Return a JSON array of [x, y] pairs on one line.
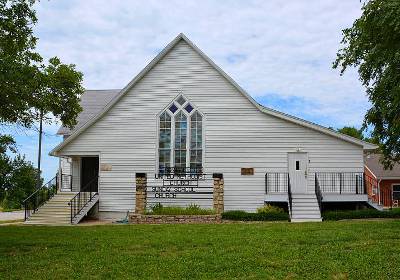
[[328, 250], [11, 221]]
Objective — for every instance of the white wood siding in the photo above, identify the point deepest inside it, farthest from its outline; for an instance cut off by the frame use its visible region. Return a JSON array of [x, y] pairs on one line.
[[65, 166], [76, 174], [237, 135]]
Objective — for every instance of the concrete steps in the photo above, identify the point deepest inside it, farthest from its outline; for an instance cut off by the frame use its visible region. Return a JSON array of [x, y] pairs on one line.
[[56, 211], [305, 208], [85, 210], [375, 205]]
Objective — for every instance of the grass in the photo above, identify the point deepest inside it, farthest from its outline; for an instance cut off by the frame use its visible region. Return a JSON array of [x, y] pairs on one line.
[[193, 209], [360, 214], [8, 210], [11, 221], [330, 250]]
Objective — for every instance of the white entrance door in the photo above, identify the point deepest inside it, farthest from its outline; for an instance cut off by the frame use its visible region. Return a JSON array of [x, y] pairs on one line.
[[298, 171]]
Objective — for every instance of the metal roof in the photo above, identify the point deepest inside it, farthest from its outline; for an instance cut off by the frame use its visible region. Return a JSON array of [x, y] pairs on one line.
[[92, 102]]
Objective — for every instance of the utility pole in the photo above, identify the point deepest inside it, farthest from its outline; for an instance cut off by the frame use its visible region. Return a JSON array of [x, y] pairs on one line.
[[38, 183]]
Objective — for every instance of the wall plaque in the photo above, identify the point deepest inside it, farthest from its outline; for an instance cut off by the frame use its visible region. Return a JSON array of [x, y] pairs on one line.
[[105, 167], [247, 171]]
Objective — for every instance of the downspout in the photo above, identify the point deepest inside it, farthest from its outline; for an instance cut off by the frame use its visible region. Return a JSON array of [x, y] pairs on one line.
[[379, 192]]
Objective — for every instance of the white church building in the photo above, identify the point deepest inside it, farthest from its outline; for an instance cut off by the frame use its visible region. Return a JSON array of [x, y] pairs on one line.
[[184, 113]]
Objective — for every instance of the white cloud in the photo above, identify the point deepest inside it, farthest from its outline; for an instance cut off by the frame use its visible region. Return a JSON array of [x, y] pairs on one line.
[[285, 47], [281, 52]]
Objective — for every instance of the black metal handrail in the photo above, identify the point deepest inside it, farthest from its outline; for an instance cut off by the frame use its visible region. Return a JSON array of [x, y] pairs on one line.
[[39, 197], [82, 198], [341, 182], [276, 182], [318, 193], [289, 188]]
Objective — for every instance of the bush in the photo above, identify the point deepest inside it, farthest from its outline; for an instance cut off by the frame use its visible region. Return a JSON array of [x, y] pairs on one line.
[[360, 214], [239, 215], [192, 209], [268, 208]]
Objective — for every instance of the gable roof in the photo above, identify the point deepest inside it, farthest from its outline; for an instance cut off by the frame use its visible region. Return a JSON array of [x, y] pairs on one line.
[[263, 109], [373, 164], [92, 102]]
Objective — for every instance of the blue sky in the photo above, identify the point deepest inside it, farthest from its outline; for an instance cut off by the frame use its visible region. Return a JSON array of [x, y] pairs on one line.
[[280, 52]]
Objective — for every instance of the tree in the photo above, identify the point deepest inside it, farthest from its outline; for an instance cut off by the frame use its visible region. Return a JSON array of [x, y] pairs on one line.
[[58, 95], [7, 144], [17, 175], [352, 131], [372, 45], [27, 85], [357, 133], [30, 90]]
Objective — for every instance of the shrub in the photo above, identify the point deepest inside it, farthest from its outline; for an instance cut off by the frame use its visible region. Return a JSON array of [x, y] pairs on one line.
[[239, 215], [268, 208], [192, 209], [360, 214]]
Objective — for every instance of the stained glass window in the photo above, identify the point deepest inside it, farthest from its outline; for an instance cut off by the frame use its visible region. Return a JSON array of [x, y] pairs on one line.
[[181, 100], [196, 139], [180, 140], [164, 142], [189, 108], [173, 108], [180, 137]]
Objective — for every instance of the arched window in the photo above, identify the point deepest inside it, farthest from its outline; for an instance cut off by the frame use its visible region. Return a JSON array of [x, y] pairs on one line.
[[164, 143], [196, 141], [180, 138]]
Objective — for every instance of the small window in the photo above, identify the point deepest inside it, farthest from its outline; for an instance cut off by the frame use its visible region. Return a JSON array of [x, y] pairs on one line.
[[173, 108], [189, 108], [297, 165], [396, 192], [181, 100]]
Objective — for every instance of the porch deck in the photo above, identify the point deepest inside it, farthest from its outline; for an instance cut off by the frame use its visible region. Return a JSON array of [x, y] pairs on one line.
[[327, 197], [334, 186]]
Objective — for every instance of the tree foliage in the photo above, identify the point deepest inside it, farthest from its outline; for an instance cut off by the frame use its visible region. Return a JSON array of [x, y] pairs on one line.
[[31, 90], [17, 175], [372, 45], [28, 86], [352, 131], [358, 133]]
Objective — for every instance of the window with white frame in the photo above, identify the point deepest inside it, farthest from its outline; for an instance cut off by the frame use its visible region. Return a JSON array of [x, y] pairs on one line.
[[180, 133], [396, 192]]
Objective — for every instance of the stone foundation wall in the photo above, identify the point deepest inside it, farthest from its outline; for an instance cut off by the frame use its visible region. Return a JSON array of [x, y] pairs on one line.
[[174, 219]]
